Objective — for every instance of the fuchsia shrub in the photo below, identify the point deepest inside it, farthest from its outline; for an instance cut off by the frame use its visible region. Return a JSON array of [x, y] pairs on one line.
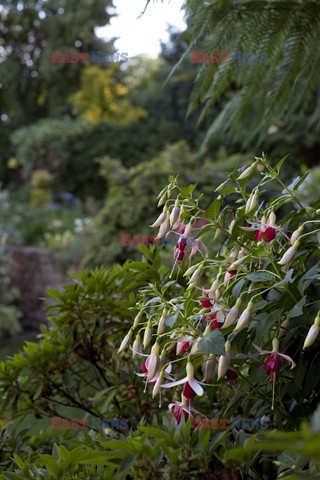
[[246, 314]]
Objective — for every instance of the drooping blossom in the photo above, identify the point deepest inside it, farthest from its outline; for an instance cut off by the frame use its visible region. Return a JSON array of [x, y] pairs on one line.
[[232, 376], [177, 409], [206, 303], [273, 364], [194, 384], [266, 229], [184, 343]]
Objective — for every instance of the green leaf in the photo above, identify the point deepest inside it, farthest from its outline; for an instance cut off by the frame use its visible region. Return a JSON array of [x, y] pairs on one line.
[[238, 287], [281, 162], [297, 310], [260, 277], [186, 191], [212, 343], [213, 209]]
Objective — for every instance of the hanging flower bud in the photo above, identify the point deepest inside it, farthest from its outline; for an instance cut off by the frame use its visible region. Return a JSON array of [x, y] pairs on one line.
[[231, 226], [147, 335], [238, 262], [162, 217], [136, 347], [174, 215], [125, 342], [313, 333], [247, 172], [153, 361], [162, 200], [254, 201], [209, 369], [272, 219], [232, 315], [224, 361], [137, 320], [188, 229], [234, 254], [214, 287], [196, 274], [157, 386], [191, 270], [164, 228], [244, 318], [296, 234], [289, 254], [161, 324]]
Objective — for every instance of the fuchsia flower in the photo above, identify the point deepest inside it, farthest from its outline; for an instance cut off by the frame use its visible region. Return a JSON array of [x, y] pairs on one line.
[[206, 303], [266, 229], [188, 391], [231, 376], [273, 363], [193, 384], [184, 343], [177, 409], [269, 233]]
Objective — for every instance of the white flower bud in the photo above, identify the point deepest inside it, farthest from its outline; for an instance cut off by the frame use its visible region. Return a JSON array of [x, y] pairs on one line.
[[137, 319], [232, 224], [174, 215], [162, 217], [224, 362], [136, 347], [153, 361], [209, 369], [238, 262], [214, 287], [161, 324], [190, 371], [190, 270], [188, 229], [232, 315], [164, 228], [313, 333], [196, 274], [147, 335], [244, 318], [162, 200], [234, 254], [295, 235], [275, 345], [125, 342], [247, 172], [157, 386], [289, 254], [272, 219], [254, 201]]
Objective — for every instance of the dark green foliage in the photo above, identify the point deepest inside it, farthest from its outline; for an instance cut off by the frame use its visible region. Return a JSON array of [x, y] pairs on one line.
[[31, 87], [256, 96], [130, 206]]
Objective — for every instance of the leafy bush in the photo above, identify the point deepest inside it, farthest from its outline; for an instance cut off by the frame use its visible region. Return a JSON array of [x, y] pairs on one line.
[[121, 215], [219, 325]]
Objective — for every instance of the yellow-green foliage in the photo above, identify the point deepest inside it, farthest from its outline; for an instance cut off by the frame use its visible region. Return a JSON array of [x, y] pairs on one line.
[[41, 181]]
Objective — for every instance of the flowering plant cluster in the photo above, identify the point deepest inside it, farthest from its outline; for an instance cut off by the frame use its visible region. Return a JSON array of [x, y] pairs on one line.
[[246, 315]]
